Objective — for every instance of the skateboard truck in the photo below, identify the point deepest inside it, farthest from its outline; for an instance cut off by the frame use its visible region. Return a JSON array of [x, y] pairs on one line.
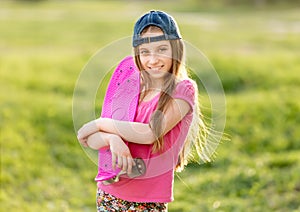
[[138, 170]]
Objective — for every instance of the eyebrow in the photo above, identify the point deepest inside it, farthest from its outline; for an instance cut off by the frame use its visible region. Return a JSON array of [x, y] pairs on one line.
[[163, 45]]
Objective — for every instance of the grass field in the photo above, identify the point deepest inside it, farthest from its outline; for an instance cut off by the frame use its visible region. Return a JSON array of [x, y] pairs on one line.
[[255, 51]]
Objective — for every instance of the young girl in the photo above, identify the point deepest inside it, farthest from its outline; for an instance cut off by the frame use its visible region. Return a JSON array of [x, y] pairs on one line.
[[167, 121]]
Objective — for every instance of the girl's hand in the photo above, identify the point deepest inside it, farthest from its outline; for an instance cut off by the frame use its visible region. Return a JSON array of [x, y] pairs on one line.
[[84, 142], [121, 153], [86, 130]]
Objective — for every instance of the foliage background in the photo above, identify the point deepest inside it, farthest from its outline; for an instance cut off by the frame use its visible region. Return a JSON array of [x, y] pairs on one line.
[[253, 45]]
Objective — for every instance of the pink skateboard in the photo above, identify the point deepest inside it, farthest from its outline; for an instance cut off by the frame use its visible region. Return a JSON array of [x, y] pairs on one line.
[[120, 103]]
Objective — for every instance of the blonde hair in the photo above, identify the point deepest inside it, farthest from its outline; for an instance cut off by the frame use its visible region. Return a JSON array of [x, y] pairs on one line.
[[197, 134]]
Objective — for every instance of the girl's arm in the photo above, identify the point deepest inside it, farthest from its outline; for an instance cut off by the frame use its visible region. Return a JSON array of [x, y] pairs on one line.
[[137, 132], [98, 140], [119, 150], [95, 141]]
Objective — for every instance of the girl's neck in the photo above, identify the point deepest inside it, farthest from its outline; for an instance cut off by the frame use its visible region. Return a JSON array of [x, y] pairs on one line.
[[156, 87], [150, 91], [156, 84]]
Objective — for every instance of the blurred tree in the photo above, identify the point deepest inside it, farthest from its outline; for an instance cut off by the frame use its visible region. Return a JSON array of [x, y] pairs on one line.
[[30, 0], [243, 2]]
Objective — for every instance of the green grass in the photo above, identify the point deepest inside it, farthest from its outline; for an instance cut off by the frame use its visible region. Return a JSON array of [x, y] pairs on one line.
[[44, 46]]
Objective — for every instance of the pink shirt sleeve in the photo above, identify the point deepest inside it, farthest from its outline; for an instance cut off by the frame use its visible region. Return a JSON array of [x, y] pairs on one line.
[[185, 90]]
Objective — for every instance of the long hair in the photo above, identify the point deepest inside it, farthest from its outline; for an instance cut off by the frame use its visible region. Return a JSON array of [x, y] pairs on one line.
[[197, 130]]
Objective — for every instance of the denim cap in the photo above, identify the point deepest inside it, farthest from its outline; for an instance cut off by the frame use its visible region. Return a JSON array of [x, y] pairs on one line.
[[155, 18]]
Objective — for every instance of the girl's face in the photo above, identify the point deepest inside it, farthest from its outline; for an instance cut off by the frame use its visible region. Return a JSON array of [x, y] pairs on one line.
[[156, 57]]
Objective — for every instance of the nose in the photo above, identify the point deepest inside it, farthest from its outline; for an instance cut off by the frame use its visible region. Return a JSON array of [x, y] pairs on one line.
[[153, 58]]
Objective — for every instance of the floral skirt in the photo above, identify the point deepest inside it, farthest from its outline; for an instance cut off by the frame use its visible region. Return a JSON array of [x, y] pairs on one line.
[[107, 202]]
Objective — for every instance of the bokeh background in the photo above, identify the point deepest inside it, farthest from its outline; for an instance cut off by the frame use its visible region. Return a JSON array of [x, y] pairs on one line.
[[254, 46]]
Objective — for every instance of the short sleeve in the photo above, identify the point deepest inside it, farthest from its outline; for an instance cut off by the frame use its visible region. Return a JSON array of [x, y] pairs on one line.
[[185, 90]]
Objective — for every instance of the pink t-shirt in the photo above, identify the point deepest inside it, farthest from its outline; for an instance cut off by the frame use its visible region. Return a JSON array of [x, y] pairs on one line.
[[157, 184]]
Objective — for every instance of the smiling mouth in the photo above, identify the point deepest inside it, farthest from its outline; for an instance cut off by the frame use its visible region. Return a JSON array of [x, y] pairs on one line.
[[155, 68]]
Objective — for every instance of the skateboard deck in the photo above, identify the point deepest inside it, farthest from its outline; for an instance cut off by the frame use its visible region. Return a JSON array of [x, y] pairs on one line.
[[120, 103]]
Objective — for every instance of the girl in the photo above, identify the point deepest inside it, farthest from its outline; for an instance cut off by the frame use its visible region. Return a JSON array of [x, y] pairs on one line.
[[167, 121]]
